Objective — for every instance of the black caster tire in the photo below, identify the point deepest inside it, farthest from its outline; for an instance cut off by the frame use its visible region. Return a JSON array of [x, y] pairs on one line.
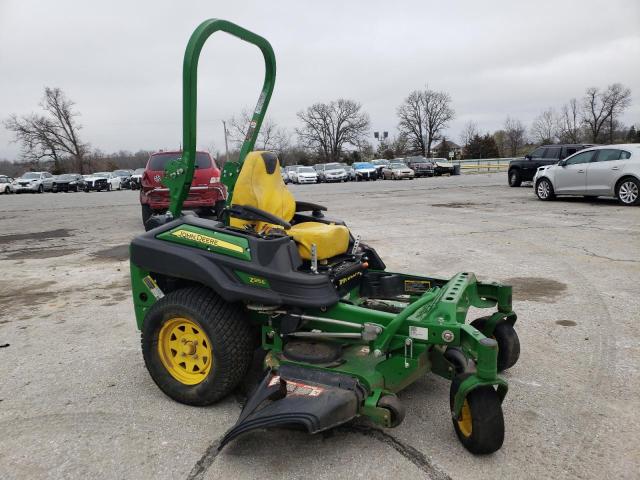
[[480, 427], [196, 347], [395, 406], [508, 343]]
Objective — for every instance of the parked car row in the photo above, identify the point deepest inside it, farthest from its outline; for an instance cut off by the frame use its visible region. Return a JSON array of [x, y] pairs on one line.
[[396, 169], [39, 182], [207, 195]]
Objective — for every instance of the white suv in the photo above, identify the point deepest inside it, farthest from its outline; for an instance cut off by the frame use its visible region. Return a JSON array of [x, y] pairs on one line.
[[102, 181], [608, 170], [33, 182]]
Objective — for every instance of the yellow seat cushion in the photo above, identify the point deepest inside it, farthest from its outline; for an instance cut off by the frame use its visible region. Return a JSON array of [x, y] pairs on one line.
[[330, 240], [260, 185]]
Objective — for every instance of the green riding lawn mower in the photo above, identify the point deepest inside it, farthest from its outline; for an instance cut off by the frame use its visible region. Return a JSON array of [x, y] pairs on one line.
[[281, 299]]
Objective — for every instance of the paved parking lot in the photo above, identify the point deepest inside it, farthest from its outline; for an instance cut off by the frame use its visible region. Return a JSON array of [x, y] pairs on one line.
[[76, 400]]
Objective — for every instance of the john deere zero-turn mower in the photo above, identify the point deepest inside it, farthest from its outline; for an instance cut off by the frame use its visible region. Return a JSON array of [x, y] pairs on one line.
[[277, 284]]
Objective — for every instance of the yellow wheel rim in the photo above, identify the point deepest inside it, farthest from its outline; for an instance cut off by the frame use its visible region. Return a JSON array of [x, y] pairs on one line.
[[185, 350], [465, 423]]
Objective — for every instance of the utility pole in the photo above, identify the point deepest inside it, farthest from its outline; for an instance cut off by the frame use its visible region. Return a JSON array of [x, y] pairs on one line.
[[226, 143], [381, 137]]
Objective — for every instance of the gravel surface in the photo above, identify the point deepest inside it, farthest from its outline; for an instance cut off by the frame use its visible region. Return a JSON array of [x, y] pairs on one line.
[[76, 400]]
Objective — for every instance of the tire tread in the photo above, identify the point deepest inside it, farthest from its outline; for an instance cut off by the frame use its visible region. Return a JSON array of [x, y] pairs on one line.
[[228, 332]]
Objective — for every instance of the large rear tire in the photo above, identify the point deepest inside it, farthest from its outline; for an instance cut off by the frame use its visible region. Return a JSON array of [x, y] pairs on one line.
[[196, 346]]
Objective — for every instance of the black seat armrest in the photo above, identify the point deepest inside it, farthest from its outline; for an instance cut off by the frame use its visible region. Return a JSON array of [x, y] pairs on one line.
[[247, 212], [315, 209]]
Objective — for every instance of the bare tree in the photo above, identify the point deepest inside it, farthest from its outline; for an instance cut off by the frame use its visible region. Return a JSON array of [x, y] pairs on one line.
[[469, 131], [328, 127], [594, 112], [423, 115], [53, 135], [545, 127], [515, 135], [500, 138], [30, 132], [601, 110], [411, 126], [269, 137], [400, 145], [617, 98], [569, 123]]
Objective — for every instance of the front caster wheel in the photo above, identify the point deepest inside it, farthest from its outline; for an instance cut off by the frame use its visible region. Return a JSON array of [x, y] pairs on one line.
[[508, 342], [196, 346], [480, 426], [395, 407]]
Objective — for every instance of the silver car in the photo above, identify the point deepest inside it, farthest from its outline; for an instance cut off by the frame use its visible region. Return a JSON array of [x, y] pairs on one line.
[[332, 172], [608, 171], [33, 182]]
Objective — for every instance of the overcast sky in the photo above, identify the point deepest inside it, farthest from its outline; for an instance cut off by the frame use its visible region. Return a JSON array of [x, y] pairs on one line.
[[121, 61]]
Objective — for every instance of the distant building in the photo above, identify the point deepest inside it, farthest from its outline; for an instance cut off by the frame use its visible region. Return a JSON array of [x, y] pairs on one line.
[[451, 147]]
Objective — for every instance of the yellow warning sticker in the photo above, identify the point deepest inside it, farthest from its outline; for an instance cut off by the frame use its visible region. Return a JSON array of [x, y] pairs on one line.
[[417, 286]]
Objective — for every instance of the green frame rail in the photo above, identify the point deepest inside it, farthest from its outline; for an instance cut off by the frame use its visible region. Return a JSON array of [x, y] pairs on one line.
[[179, 174]]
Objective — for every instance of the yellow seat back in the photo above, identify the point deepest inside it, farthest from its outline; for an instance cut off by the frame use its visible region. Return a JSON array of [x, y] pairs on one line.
[[260, 185]]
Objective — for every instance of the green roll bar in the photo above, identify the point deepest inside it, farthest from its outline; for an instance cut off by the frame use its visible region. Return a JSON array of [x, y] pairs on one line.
[[179, 174]]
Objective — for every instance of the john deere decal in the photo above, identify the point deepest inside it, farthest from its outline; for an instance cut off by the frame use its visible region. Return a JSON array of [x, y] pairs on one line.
[[207, 240]]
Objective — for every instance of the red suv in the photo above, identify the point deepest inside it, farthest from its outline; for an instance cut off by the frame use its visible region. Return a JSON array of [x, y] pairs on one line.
[[207, 195]]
